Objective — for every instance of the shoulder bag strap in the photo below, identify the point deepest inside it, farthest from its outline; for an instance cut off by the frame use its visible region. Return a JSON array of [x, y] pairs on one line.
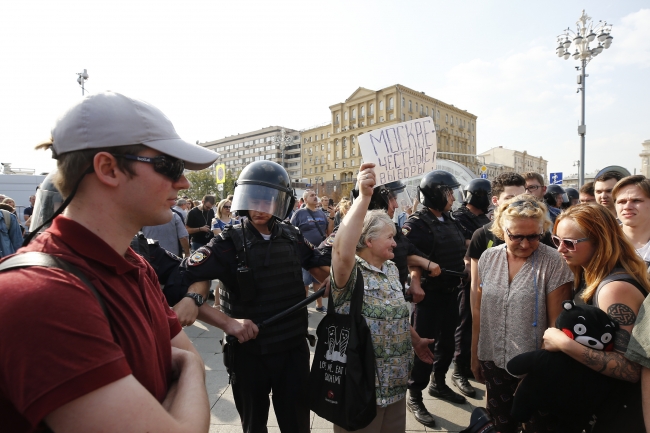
[[317, 224], [35, 258]]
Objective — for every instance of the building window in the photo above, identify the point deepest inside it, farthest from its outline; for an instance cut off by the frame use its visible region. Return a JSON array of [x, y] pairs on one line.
[[381, 105], [345, 141], [334, 176], [391, 116], [329, 147], [390, 103], [337, 119], [403, 102], [352, 163], [371, 111], [403, 117], [345, 115], [446, 118], [362, 111], [354, 113]]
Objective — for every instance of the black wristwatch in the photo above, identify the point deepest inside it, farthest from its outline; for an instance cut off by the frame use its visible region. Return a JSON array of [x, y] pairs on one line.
[[198, 299]]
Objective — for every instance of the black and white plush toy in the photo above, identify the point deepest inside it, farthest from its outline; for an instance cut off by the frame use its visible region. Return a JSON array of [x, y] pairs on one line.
[[556, 383]]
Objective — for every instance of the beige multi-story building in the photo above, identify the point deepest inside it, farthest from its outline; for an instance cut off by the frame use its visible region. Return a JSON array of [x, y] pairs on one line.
[[275, 143], [330, 152], [521, 162]]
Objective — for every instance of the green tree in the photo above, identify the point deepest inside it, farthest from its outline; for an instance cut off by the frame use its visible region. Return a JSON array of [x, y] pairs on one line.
[[229, 184], [203, 183]]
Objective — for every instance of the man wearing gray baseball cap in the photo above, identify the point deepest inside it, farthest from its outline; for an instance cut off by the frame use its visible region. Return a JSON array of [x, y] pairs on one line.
[[113, 357]]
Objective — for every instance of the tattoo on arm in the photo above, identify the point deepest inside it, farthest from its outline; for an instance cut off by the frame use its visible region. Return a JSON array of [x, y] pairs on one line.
[[621, 313], [621, 340], [612, 364]]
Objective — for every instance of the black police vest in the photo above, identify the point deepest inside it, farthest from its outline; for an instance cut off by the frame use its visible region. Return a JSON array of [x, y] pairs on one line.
[[401, 251], [447, 249], [277, 273]]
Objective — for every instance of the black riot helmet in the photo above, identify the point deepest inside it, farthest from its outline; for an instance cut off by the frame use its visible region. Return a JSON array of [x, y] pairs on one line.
[[570, 195], [435, 187], [552, 191], [477, 193], [264, 186], [381, 195]]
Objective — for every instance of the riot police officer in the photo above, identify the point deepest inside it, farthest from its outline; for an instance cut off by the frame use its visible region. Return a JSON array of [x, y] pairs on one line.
[[471, 216], [434, 232], [554, 197], [572, 196], [259, 263]]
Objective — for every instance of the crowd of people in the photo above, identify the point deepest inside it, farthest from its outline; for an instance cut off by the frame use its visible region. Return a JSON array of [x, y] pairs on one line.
[[92, 343]]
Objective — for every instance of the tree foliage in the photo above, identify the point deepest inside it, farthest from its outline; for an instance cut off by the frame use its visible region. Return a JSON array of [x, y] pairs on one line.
[[229, 184], [203, 183]]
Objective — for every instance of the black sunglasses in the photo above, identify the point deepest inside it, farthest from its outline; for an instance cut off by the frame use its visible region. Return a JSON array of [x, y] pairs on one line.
[[520, 238], [569, 244], [164, 164]]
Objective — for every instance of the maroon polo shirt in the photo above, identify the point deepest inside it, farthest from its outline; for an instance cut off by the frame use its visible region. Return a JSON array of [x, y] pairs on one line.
[[56, 343]]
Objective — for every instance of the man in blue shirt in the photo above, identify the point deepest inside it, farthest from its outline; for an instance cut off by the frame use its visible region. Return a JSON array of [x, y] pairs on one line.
[[315, 225], [11, 237]]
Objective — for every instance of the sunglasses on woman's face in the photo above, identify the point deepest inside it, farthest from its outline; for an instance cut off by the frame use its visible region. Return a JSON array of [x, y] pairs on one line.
[[164, 164], [569, 244], [226, 207], [520, 238]]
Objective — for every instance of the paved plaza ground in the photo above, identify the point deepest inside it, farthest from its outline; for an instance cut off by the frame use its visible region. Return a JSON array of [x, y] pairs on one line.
[[225, 419]]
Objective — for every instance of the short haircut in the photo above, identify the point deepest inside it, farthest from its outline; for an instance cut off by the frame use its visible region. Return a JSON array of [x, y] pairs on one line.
[[609, 175], [181, 202], [306, 194], [638, 180], [521, 206], [534, 175], [506, 179], [373, 224], [324, 197], [72, 165], [588, 188], [209, 199]]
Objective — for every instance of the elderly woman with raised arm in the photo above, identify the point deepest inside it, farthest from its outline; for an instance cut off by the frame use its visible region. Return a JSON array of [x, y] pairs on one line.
[[610, 275], [365, 241], [521, 286]]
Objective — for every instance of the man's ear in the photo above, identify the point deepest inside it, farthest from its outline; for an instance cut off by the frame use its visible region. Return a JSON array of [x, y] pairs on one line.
[[106, 169]]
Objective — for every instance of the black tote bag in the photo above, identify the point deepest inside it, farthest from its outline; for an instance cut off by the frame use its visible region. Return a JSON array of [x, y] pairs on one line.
[[342, 377]]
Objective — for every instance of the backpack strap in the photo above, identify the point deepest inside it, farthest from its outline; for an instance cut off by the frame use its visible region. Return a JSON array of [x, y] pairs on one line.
[[7, 216], [35, 258]]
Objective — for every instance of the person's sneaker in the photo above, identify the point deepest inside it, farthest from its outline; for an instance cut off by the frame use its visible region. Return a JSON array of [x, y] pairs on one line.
[[420, 413], [463, 385], [321, 309], [443, 392]]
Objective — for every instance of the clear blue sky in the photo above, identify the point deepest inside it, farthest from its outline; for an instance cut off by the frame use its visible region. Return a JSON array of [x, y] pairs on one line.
[[219, 68]]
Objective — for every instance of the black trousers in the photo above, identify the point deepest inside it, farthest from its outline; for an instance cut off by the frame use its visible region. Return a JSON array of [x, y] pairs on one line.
[[463, 335], [435, 317], [286, 374]]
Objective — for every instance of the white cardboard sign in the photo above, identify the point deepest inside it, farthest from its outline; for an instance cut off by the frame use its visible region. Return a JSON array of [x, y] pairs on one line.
[[402, 150]]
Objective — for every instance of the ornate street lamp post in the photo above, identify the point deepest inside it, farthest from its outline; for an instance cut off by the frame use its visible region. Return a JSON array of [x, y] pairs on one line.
[[586, 33], [83, 76]]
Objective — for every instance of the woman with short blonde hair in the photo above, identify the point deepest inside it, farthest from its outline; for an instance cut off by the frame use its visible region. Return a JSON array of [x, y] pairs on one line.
[[521, 286]]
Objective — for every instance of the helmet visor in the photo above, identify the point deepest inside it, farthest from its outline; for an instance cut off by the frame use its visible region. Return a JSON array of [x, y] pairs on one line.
[[261, 199], [404, 200], [47, 202], [457, 193]]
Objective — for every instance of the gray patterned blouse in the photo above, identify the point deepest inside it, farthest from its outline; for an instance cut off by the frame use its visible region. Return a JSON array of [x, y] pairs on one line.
[[513, 315]]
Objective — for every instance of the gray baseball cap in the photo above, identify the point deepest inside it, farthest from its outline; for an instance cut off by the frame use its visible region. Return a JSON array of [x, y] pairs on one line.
[[110, 119]]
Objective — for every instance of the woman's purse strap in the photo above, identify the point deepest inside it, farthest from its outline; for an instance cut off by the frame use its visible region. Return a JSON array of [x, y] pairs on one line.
[[357, 296]]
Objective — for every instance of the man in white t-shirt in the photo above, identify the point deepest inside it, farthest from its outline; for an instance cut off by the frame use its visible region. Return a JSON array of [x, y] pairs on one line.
[[632, 200]]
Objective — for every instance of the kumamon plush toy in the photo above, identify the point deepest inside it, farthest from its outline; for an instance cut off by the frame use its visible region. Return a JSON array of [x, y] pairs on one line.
[[558, 384]]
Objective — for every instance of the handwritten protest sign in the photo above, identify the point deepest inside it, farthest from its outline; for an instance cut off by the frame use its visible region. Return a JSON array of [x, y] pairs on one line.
[[402, 150]]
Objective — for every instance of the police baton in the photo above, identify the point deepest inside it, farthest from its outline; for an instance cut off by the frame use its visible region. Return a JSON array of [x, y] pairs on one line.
[[282, 314], [443, 271]]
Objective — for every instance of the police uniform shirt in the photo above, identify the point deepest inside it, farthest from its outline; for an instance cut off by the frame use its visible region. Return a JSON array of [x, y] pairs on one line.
[[218, 260], [468, 222], [419, 233]]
